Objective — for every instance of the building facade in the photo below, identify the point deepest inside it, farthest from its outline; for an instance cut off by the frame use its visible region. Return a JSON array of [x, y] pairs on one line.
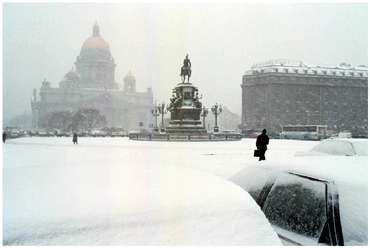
[[280, 93], [92, 85]]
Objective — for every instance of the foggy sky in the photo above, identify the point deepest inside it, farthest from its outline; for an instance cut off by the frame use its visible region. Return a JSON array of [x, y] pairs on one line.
[[223, 40]]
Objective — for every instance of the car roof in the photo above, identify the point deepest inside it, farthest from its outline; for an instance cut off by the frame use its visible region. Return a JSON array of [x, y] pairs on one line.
[[129, 205], [352, 140], [340, 169], [357, 147]]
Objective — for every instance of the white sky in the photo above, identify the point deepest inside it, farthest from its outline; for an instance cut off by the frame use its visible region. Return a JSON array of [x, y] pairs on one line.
[[151, 39]]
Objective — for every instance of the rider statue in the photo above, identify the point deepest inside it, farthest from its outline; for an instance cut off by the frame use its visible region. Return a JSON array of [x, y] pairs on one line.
[[186, 69]]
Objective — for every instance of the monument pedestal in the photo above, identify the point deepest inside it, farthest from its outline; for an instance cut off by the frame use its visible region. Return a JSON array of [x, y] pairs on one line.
[[185, 109]]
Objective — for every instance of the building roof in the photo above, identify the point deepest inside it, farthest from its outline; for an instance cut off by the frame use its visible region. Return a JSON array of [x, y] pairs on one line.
[[298, 67]]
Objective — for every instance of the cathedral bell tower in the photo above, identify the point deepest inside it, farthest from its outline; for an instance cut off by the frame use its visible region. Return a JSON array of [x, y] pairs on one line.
[[129, 85]]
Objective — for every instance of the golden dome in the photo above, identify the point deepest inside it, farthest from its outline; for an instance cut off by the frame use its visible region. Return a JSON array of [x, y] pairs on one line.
[[95, 41]]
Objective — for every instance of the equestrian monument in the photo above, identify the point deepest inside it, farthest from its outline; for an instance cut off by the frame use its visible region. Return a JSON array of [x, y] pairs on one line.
[[185, 106], [186, 111]]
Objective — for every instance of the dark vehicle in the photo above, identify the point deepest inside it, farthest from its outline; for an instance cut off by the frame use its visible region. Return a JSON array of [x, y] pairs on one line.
[[308, 208]]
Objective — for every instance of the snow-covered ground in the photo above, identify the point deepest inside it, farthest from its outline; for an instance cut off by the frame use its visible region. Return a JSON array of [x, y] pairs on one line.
[[59, 193], [219, 158]]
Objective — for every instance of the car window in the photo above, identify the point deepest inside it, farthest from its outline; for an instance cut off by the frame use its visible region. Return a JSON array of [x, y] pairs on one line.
[[335, 147], [298, 205], [253, 180]]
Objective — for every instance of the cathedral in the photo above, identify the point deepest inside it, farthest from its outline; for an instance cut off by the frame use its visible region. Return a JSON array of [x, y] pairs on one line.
[[92, 85]]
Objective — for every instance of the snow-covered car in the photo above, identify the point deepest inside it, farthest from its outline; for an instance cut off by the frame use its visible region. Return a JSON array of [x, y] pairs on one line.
[[312, 201], [43, 133], [346, 135], [338, 146], [230, 134], [128, 205], [98, 133], [15, 133], [117, 134]]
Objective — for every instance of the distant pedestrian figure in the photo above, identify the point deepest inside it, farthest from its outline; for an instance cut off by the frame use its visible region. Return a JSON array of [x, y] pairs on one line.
[[75, 137], [4, 137], [261, 143]]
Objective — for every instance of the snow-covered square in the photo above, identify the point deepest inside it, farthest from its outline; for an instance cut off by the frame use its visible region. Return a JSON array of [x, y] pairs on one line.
[[117, 191]]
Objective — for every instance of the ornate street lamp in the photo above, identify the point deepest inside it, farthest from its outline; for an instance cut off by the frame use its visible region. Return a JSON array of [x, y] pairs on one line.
[[204, 114], [162, 110], [216, 110], [155, 113]]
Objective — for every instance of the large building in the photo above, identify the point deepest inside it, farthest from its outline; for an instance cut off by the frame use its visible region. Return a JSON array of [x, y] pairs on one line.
[[280, 93], [92, 85]]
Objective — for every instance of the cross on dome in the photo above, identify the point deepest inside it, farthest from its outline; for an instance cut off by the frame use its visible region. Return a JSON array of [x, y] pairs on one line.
[[96, 31]]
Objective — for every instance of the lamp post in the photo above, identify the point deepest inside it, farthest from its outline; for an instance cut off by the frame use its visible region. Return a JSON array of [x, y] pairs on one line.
[[162, 110], [204, 114], [155, 113], [216, 110]]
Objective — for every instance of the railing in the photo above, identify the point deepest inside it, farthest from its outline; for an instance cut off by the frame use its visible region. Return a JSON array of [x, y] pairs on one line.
[[181, 137]]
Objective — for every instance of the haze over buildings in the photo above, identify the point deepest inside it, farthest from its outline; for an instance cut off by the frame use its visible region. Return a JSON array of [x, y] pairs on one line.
[[91, 90], [223, 41]]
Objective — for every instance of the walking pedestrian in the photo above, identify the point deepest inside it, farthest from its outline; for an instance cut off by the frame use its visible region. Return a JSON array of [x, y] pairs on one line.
[[4, 136], [261, 143], [75, 138]]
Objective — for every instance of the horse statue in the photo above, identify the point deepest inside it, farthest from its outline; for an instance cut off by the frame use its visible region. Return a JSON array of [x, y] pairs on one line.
[[186, 69]]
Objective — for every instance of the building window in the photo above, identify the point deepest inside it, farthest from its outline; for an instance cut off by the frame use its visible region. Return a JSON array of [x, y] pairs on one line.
[[314, 71], [286, 70], [324, 72], [276, 69], [360, 74], [334, 73], [305, 71], [296, 70]]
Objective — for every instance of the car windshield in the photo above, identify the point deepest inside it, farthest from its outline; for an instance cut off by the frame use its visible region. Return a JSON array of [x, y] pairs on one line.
[[297, 205], [253, 180], [349, 147], [335, 147]]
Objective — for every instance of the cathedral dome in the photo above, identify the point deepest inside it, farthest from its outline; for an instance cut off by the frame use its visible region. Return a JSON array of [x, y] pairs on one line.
[[71, 75], [70, 80], [95, 43]]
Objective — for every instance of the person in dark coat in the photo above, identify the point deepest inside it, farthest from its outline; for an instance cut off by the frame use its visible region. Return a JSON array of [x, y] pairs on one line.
[[261, 143], [75, 137], [4, 137]]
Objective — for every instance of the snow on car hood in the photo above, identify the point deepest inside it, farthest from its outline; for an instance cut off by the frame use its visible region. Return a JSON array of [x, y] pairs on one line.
[[350, 175], [88, 202]]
